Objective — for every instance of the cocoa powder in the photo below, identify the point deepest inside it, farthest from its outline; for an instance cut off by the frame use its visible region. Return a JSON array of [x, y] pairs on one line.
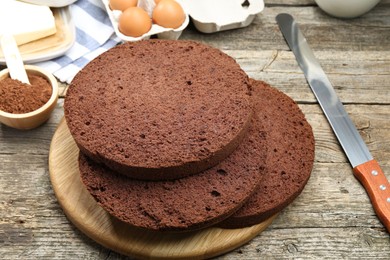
[[18, 98]]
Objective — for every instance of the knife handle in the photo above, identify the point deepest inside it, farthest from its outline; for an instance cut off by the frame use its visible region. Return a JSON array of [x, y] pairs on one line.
[[378, 188]]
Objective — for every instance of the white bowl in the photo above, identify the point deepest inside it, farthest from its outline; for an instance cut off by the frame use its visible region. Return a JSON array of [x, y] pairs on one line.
[[346, 8]]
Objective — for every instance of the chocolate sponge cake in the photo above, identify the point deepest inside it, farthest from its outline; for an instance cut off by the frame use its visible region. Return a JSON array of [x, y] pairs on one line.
[[159, 109], [290, 144], [189, 203]]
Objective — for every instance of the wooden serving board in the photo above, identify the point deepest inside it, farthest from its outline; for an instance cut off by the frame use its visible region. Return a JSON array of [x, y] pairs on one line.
[[81, 209]]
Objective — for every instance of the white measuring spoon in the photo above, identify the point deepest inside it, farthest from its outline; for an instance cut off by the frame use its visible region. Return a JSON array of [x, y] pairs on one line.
[[13, 58]]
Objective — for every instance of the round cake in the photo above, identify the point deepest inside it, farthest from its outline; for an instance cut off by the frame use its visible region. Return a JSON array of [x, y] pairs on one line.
[[159, 109], [186, 204], [290, 144]]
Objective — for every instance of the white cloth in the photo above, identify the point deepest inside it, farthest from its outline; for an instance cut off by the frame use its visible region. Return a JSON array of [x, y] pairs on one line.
[[94, 35]]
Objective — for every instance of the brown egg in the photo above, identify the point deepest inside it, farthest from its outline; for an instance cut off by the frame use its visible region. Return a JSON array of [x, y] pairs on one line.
[[134, 22], [122, 5], [169, 14]]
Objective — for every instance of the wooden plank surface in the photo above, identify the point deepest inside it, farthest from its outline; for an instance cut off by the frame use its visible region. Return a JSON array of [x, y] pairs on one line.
[[332, 218]]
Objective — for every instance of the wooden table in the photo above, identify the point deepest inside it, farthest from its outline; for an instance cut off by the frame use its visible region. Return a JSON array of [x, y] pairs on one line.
[[332, 218]]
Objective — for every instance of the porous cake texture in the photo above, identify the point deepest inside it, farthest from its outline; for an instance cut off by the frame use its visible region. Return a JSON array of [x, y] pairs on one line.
[[159, 109], [186, 204], [290, 145]]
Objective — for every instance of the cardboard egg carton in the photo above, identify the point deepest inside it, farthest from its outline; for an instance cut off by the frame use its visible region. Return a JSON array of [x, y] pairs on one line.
[[211, 16], [208, 16], [159, 31]]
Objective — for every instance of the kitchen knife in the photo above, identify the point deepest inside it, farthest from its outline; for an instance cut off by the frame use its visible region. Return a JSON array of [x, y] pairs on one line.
[[365, 168]]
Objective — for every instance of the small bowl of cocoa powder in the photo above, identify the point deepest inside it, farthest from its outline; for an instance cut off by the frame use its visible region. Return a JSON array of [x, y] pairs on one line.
[[25, 106]]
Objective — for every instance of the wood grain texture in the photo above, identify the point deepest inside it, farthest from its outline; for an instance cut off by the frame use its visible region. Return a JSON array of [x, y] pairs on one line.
[[333, 204], [323, 32], [80, 207], [377, 186], [332, 218]]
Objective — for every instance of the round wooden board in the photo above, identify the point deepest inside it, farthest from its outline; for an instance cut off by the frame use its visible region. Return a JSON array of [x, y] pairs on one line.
[[81, 208]]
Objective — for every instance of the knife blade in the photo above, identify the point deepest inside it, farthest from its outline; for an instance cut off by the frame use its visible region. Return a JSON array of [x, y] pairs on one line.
[[365, 168]]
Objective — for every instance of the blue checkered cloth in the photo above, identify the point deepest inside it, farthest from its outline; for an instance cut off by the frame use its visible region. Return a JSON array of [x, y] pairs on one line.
[[94, 35]]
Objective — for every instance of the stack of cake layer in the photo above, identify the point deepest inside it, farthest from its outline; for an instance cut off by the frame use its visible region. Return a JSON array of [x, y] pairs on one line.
[[174, 136]]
